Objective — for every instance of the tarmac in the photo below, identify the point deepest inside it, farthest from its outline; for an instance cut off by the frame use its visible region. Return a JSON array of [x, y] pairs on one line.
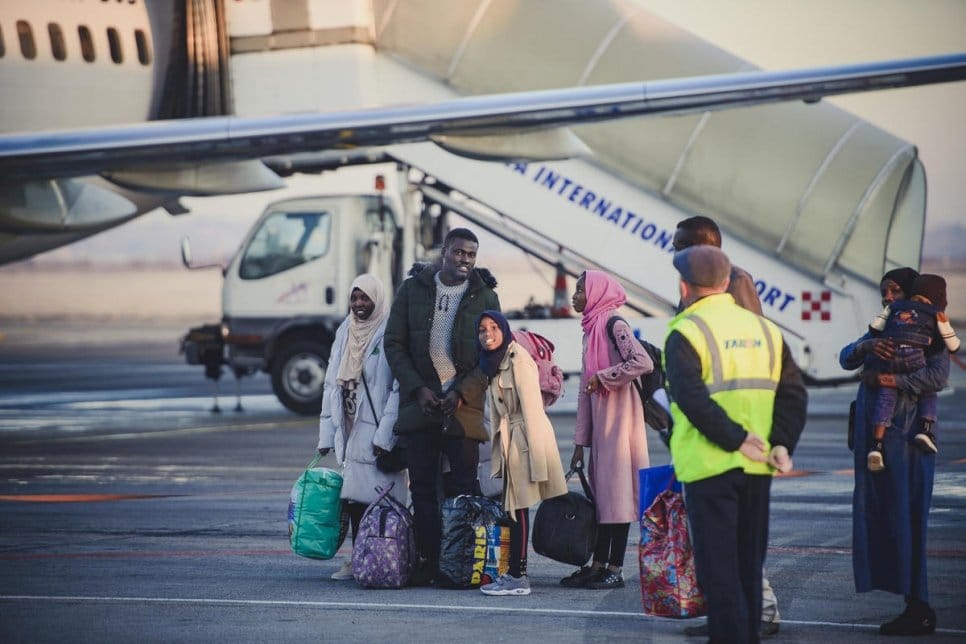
[[131, 513]]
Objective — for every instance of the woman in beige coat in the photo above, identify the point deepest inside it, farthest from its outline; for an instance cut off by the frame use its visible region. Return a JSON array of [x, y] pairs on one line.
[[524, 450]]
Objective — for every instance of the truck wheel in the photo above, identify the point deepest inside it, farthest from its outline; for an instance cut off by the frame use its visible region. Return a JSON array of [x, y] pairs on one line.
[[298, 373]]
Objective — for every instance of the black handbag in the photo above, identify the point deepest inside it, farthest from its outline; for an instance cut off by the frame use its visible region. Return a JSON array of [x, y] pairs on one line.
[[394, 460], [565, 527]]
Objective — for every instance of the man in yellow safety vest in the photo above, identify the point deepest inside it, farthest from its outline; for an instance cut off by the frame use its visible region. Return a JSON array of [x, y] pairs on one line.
[[738, 405]]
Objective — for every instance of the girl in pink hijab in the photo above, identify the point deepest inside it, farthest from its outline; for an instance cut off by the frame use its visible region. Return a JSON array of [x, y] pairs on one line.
[[610, 422]]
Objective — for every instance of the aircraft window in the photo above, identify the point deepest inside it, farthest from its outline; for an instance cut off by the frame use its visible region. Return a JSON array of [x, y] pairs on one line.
[[114, 41], [144, 53], [285, 240], [57, 45], [86, 43], [27, 45]]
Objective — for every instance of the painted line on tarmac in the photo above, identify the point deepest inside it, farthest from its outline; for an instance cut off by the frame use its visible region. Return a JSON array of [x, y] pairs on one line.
[[396, 607], [179, 431]]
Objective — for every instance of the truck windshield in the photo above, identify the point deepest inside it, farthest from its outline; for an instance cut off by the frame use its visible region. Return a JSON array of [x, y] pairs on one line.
[[285, 240]]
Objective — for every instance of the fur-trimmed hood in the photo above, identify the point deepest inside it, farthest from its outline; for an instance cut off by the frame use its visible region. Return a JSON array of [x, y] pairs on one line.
[[488, 279]]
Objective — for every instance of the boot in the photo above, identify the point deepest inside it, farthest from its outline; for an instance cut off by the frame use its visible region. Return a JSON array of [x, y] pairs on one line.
[[917, 619]]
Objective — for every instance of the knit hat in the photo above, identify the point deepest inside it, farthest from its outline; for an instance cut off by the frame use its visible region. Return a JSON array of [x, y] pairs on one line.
[[903, 277], [704, 265], [932, 287]]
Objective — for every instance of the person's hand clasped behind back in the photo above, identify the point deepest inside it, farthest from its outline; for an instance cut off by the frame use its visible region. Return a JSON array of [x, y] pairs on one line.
[[780, 459], [753, 448]]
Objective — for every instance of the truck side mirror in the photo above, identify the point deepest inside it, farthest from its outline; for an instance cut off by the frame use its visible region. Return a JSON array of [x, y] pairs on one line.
[[186, 258]]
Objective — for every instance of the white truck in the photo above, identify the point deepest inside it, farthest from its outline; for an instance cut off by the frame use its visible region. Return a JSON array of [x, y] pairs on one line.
[[286, 289]]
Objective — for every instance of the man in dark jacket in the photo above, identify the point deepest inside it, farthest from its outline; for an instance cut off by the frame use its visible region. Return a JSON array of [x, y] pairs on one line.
[[430, 345], [703, 231]]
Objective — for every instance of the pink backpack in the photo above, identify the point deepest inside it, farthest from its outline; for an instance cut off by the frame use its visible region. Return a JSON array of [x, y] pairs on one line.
[[541, 350]]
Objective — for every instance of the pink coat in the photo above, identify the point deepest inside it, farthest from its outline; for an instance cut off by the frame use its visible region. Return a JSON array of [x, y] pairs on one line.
[[612, 426]]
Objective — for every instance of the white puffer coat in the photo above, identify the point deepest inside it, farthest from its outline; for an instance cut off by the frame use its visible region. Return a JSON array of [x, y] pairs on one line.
[[360, 474]]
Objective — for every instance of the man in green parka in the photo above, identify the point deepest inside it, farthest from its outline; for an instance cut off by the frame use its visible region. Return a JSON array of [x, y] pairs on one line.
[[430, 344]]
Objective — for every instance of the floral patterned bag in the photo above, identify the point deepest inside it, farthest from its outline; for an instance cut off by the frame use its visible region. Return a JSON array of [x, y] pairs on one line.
[[669, 585]]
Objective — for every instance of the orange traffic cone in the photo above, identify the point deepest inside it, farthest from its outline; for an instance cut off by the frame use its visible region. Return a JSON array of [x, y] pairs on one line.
[[561, 303]]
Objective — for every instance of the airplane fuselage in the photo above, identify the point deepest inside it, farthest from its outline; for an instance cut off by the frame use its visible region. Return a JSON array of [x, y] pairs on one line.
[[76, 63], [68, 64]]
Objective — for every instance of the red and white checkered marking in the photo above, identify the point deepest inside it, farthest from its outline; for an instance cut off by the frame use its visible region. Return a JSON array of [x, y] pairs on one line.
[[817, 305]]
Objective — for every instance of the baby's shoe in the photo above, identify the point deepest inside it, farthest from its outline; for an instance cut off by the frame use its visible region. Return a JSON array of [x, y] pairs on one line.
[[876, 458], [925, 439]]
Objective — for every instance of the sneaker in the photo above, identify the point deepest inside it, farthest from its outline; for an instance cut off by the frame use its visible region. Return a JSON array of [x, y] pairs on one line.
[[507, 585], [926, 441], [345, 572], [875, 460], [914, 621], [579, 577], [610, 579]]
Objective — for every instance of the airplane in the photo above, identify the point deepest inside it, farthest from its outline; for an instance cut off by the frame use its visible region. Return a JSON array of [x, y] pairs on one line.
[[68, 170]]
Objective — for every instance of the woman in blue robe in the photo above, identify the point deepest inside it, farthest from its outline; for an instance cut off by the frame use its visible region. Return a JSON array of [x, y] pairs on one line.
[[890, 508]]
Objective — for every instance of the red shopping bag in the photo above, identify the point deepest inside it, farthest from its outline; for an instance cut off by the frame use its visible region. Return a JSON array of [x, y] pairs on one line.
[[669, 585]]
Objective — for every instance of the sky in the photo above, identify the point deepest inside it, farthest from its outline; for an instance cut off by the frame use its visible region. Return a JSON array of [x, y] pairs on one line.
[[788, 34]]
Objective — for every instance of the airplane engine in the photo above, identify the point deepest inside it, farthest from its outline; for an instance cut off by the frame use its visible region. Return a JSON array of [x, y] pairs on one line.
[[61, 205]]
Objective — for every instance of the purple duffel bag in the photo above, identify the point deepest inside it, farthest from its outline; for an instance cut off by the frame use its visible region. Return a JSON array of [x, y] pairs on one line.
[[384, 552]]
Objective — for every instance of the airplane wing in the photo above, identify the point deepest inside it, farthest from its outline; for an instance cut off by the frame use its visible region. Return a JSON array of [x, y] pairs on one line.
[[52, 154]]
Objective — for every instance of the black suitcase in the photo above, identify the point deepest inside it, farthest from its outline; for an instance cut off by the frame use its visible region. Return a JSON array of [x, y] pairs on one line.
[[565, 528]]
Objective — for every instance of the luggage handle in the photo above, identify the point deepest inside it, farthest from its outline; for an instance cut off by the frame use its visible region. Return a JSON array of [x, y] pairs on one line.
[[315, 459], [389, 499], [583, 481]]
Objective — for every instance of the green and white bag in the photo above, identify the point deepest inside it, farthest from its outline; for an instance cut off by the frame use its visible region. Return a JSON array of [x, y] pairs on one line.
[[317, 522]]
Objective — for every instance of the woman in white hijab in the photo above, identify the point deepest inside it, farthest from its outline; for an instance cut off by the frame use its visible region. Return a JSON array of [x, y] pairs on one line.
[[360, 403]]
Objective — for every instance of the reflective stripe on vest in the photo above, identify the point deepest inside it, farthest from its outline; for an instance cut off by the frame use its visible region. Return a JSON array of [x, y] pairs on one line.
[[718, 382]]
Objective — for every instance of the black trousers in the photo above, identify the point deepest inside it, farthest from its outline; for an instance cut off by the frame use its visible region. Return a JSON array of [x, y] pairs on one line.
[[611, 543], [424, 451], [355, 510], [728, 517]]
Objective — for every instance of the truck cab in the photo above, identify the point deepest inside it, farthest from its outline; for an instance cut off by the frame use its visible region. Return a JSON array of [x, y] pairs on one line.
[[286, 289]]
